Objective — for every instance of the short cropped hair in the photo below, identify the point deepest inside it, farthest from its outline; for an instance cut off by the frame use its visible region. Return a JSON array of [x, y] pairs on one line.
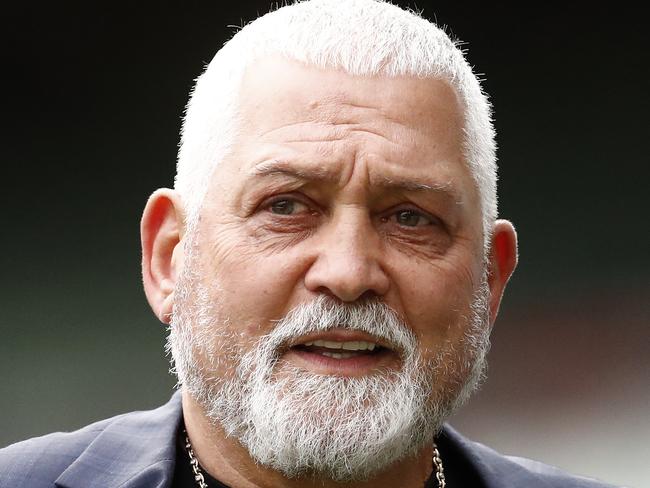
[[360, 37]]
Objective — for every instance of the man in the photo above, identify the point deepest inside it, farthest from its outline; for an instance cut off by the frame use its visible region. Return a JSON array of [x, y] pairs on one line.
[[330, 265]]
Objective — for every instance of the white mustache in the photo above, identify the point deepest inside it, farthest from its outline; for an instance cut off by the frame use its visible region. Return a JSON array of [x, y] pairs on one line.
[[324, 313]]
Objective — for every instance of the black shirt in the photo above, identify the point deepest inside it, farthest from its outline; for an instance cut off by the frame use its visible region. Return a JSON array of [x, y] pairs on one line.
[[458, 471]]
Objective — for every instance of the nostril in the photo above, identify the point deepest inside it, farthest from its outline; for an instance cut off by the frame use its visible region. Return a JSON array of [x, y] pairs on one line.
[[347, 297], [368, 295], [323, 290]]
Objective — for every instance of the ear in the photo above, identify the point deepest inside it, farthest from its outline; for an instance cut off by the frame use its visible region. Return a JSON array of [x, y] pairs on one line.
[[503, 260], [161, 231]]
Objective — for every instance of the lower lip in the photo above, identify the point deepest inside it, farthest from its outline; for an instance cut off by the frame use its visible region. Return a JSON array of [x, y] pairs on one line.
[[360, 365]]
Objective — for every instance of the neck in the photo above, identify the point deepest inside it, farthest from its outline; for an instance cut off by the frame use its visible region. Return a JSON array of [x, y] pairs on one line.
[[229, 462]]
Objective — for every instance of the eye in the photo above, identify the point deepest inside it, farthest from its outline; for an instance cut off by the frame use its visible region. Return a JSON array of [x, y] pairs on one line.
[[287, 206], [412, 218]]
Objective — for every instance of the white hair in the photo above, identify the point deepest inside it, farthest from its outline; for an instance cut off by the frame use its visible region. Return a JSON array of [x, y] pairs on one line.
[[360, 37]]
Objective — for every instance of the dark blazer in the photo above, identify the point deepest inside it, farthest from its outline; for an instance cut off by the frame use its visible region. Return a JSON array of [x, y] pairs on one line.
[[138, 450]]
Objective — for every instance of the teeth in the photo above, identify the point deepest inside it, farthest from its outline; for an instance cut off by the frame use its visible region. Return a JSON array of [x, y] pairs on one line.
[[348, 346], [337, 355]]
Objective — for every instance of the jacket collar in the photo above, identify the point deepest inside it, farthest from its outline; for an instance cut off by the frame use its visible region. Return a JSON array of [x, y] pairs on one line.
[[493, 470], [135, 450]]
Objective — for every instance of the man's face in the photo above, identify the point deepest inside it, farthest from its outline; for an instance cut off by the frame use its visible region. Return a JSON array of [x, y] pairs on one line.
[[349, 188]]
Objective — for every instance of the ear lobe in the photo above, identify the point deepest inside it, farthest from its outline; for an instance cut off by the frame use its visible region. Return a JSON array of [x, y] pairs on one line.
[[161, 231], [503, 260]]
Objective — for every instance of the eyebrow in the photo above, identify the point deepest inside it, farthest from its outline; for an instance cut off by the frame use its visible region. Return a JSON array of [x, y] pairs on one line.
[[414, 186], [280, 167]]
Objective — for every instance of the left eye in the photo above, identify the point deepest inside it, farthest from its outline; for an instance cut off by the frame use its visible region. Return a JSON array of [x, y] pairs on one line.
[[411, 218], [286, 206]]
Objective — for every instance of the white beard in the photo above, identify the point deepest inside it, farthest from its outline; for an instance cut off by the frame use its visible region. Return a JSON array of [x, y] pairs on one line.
[[305, 424]]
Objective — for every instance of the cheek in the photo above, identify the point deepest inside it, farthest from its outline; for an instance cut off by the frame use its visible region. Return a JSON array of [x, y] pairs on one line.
[[252, 289], [436, 299]]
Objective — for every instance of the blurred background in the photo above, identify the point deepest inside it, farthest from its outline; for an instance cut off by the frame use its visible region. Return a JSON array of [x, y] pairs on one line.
[[92, 112]]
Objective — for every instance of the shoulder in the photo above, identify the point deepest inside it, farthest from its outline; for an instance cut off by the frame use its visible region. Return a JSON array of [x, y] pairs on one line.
[[39, 461], [499, 471], [105, 453], [555, 475]]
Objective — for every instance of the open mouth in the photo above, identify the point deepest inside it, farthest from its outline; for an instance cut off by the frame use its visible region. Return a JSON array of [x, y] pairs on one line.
[[342, 352]]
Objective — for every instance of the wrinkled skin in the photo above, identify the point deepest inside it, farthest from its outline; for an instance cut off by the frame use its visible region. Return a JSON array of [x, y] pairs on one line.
[[338, 185]]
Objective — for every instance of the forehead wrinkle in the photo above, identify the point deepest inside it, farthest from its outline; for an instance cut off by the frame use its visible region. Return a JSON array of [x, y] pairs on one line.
[[278, 167], [331, 117], [330, 131]]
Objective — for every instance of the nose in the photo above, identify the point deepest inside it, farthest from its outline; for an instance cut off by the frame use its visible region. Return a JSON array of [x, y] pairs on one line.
[[348, 264]]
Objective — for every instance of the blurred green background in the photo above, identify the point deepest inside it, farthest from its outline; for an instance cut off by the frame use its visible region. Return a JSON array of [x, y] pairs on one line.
[[94, 96]]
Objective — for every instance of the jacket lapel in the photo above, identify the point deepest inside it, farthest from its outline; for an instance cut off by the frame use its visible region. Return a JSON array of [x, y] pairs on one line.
[[134, 451], [495, 470]]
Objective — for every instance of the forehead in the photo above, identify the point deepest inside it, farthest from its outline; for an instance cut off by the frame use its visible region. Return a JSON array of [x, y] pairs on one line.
[[328, 123], [277, 92]]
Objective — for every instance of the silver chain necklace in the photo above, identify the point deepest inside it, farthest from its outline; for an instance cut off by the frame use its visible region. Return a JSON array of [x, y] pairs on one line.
[[200, 480], [198, 476]]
